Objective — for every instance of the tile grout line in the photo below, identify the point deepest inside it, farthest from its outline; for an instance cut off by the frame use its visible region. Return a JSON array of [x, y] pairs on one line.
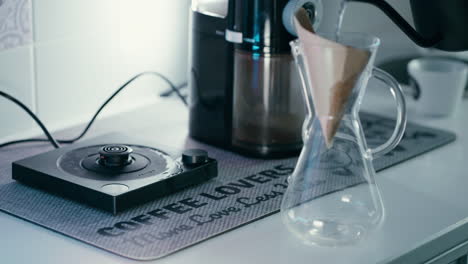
[[34, 61]]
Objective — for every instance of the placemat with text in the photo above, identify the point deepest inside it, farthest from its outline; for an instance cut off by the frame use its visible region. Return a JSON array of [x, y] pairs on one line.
[[245, 190]]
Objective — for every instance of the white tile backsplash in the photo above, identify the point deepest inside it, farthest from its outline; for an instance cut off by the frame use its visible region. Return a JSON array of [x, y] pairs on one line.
[[58, 19], [84, 49], [82, 61], [16, 79], [361, 17], [16, 71], [73, 76], [15, 23], [154, 35], [76, 60]]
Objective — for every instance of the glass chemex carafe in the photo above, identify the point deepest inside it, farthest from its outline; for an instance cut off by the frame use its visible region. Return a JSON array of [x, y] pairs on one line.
[[332, 198]]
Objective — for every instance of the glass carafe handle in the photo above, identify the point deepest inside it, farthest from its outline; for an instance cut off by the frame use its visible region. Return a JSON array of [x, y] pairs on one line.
[[399, 131]]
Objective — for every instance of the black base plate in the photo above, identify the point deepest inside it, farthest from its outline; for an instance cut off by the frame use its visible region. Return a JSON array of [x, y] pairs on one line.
[[72, 172]]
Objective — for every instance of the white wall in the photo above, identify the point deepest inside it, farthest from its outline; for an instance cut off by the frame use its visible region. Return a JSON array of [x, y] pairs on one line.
[[63, 58], [361, 17], [75, 53], [16, 73]]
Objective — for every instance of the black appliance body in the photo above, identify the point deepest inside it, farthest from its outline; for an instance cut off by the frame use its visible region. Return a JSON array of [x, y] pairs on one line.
[[245, 91], [440, 24], [244, 88]]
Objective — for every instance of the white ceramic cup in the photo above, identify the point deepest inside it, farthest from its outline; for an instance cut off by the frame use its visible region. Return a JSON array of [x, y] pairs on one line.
[[439, 84]]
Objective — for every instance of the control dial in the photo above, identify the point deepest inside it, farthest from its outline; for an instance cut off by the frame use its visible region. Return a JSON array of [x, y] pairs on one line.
[[193, 157], [115, 156]]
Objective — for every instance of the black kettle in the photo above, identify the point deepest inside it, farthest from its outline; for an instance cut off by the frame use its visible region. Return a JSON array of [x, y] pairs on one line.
[[440, 24]]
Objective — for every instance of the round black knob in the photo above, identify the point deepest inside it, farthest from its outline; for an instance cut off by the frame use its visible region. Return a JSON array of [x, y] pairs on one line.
[[115, 156], [192, 157]]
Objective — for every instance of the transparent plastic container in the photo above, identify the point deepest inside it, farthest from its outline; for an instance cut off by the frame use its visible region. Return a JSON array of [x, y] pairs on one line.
[[268, 109]]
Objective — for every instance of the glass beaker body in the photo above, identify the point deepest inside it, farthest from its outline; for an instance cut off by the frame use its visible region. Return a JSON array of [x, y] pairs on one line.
[[332, 198]]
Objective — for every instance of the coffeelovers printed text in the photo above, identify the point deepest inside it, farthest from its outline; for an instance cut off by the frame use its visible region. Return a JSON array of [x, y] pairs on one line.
[[186, 206]]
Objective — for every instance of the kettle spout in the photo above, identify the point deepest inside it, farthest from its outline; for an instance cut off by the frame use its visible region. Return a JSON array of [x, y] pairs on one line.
[[403, 24]]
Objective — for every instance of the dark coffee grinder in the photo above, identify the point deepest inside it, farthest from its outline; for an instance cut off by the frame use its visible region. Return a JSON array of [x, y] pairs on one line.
[[245, 91]]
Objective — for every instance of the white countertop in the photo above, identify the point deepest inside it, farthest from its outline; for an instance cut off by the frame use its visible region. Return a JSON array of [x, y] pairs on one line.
[[424, 198]]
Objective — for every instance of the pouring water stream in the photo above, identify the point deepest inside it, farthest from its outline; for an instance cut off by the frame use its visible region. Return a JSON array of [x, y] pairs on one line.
[[339, 22]]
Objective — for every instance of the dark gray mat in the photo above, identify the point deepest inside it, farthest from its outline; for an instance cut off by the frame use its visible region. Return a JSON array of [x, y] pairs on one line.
[[246, 190]]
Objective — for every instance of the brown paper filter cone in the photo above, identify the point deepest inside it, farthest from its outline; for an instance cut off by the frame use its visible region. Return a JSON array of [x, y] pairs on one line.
[[333, 69]]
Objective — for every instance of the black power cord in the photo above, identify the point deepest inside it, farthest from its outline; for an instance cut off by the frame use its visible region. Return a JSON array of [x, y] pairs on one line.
[[169, 92], [54, 142], [38, 121]]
